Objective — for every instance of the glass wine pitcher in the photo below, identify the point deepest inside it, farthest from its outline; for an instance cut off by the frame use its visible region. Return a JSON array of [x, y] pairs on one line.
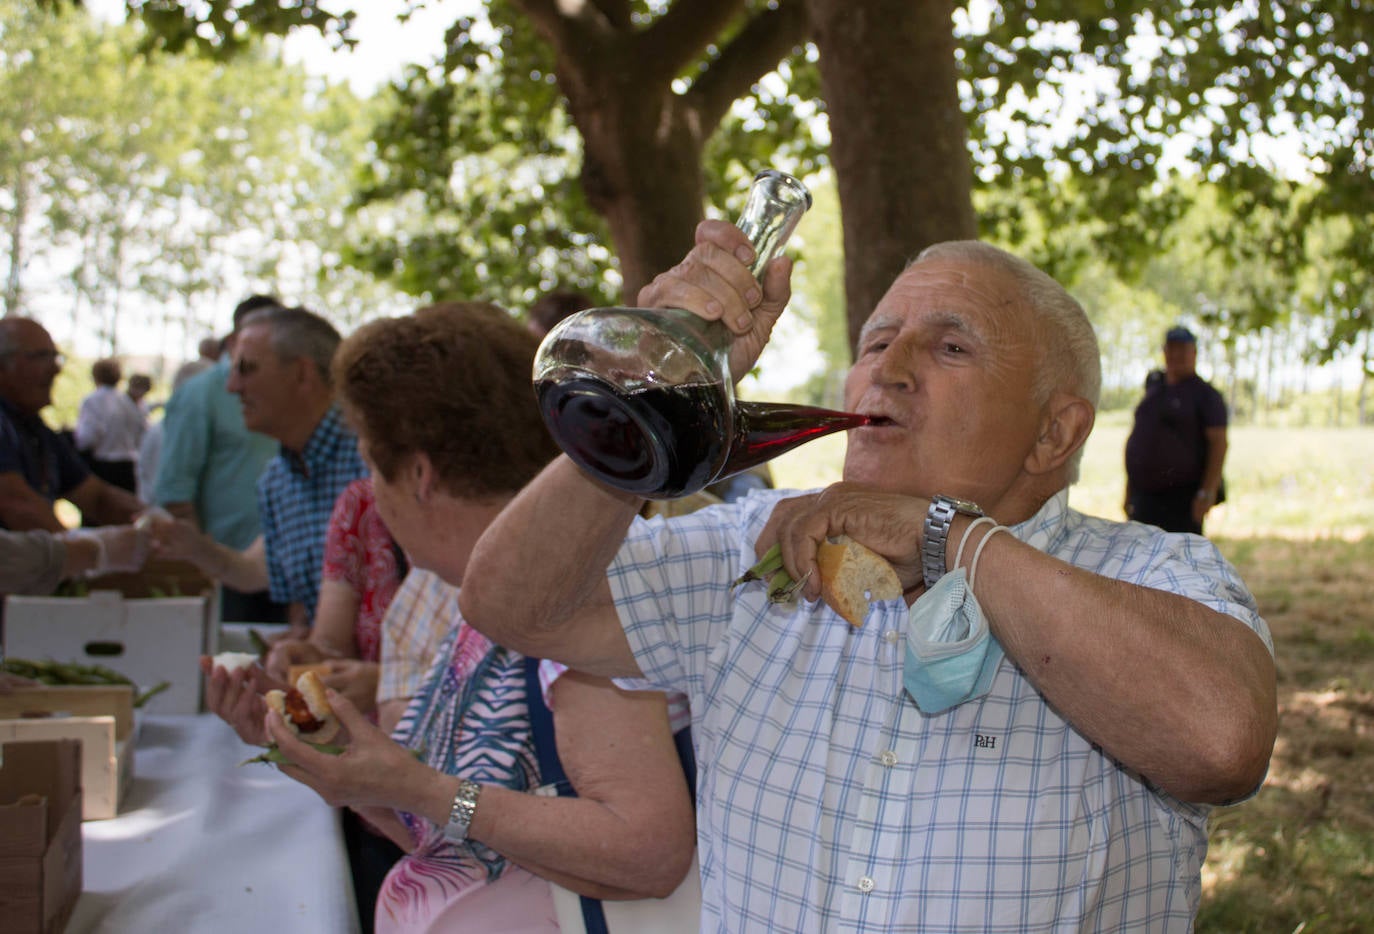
[[642, 398]]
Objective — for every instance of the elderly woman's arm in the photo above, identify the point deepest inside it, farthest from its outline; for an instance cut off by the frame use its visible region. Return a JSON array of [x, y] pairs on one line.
[[629, 835], [630, 831]]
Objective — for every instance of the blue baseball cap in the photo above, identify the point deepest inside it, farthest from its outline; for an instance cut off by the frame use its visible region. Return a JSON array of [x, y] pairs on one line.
[[1180, 335]]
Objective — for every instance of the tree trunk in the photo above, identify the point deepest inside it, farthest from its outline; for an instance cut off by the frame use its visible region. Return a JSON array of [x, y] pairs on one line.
[[899, 144], [641, 171], [887, 73], [642, 132], [14, 289], [1362, 400]]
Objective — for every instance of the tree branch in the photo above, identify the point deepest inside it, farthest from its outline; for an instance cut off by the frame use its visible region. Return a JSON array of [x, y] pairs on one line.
[[615, 12], [575, 32], [678, 36], [764, 41]]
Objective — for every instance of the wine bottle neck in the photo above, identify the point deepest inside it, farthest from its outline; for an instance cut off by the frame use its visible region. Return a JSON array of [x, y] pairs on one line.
[[765, 430], [776, 203]]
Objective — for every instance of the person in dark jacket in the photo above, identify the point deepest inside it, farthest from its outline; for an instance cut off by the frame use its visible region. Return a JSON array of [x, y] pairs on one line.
[[1176, 450]]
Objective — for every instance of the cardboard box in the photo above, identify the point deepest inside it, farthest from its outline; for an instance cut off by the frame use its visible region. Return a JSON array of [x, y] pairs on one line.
[[130, 624], [100, 718], [40, 836]]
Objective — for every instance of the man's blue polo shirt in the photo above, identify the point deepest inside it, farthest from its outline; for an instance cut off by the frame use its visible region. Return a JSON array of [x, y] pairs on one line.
[[210, 460], [296, 495]]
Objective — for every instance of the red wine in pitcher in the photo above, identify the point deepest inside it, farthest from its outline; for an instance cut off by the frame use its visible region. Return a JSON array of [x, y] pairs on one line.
[[662, 442]]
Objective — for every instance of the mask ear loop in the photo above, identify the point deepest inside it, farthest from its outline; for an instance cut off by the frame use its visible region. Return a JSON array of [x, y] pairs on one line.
[[978, 552], [959, 555]]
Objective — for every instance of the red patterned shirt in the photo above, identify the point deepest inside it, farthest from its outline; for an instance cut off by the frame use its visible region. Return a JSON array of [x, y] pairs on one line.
[[359, 551]]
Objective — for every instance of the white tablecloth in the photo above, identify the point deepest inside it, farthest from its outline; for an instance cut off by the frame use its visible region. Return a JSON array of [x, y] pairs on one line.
[[201, 845]]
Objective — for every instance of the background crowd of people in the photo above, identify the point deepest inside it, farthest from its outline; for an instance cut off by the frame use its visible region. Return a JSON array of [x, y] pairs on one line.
[[551, 692]]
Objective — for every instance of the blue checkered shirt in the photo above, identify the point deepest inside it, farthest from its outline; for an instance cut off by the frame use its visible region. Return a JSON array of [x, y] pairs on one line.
[[296, 495], [828, 802]]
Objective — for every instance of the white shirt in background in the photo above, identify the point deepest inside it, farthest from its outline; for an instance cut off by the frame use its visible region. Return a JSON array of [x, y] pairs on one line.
[[109, 426]]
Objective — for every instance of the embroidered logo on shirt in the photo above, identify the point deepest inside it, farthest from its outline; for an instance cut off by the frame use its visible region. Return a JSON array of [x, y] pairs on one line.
[[984, 741]]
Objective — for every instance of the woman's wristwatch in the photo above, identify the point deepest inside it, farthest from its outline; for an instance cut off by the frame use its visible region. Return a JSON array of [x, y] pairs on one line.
[[464, 807]]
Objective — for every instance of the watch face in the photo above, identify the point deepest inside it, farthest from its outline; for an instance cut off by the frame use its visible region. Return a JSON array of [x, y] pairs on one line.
[[961, 505]]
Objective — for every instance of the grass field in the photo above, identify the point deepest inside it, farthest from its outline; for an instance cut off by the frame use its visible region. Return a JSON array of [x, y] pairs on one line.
[[1299, 856], [1284, 482]]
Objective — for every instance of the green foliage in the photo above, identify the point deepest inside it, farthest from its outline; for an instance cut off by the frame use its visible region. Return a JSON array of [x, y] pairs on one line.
[[222, 29], [818, 292], [1094, 204], [1290, 877], [478, 170], [175, 182], [1230, 77], [479, 186], [1264, 330], [773, 127], [477, 153]]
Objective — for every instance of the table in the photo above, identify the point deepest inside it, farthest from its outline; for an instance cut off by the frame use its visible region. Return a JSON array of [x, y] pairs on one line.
[[201, 845]]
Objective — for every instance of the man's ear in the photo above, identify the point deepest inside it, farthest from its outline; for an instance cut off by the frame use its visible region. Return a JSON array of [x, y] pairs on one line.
[[422, 472], [304, 371], [1064, 426]]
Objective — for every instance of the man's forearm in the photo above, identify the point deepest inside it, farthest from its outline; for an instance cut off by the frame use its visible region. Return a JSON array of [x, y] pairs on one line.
[[543, 561], [28, 515], [116, 506], [1216, 459], [1169, 687], [244, 571], [186, 511]]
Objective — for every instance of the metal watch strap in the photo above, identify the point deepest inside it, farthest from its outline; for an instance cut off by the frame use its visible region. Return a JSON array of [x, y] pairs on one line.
[[941, 513], [464, 807]]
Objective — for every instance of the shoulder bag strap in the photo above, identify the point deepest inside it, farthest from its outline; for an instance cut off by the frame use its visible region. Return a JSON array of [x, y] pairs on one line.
[[551, 772]]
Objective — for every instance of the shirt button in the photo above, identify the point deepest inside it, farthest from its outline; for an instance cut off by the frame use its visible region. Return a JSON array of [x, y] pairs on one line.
[[892, 636], [888, 758], [866, 884]]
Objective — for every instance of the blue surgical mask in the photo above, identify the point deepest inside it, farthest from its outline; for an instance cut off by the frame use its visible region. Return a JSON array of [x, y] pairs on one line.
[[951, 655]]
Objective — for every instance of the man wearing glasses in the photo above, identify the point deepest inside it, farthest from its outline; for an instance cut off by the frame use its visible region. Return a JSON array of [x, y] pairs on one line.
[[280, 373], [38, 466], [210, 464]]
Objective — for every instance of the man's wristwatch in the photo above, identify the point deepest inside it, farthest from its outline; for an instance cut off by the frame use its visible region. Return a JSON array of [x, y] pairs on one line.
[[464, 807], [941, 513]]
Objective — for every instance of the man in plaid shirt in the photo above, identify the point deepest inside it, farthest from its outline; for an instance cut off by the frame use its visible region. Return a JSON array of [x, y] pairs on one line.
[[280, 373], [1069, 789]]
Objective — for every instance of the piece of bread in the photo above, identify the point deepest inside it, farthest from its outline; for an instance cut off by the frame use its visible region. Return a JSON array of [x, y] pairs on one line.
[[233, 661], [294, 672], [305, 709], [852, 575]]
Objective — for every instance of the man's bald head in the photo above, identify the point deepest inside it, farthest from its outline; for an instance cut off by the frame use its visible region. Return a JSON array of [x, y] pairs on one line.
[[29, 362]]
